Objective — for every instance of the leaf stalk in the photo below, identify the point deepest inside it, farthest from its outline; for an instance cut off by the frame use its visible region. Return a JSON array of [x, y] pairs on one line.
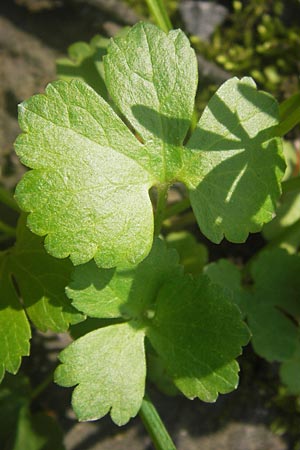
[[7, 199], [160, 15], [154, 425], [161, 203]]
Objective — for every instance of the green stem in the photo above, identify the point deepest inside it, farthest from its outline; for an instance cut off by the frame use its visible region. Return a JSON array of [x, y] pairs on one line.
[[293, 184], [8, 230], [162, 194], [159, 12], [42, 386], [8, 200], [155, 427]]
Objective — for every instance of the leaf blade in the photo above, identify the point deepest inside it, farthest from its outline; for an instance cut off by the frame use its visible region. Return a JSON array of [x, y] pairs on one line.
[[115, 381], [236, 149]]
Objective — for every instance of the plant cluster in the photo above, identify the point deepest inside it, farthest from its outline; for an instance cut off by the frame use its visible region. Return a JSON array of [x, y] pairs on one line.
[[104, 150], [260, 38]]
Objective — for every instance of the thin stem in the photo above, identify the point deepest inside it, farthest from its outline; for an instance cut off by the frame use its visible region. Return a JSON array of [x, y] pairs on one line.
[[293, 184], [154, 425], [162, 194], [42, 386], [8, 200], [8, 230], [159, 12]]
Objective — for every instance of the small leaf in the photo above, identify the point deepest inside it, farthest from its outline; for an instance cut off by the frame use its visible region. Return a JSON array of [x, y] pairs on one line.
[[193, 255], [108, 365], [15, 331], [42, 281], [85, 63], [197, 334], [273, 308]]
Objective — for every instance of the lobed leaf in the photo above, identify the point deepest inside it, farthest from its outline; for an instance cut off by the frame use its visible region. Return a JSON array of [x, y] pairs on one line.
[[109, 367], [195, 332], [236, 162], [88, 192], [198, 334], [87, 163]]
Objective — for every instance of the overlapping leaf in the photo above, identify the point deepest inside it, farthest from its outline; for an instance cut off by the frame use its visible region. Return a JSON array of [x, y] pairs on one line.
[[239, 162], [85, 63], [195, 331], [112, 293], [228, 276], [19, 428], [273, 309], [88, 191], [289, 372], [193, 255], [41, 282], [14, 328]]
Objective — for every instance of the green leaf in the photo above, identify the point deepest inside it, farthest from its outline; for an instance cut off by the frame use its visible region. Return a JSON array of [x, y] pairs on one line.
[[19, 428], [108, 365], [39, 431], [289, 114], [228, 276], [157, 374], [233, 149], [14, 328], [88, 191], [289, 373], [193, 255], [30, 275], [42, 281], [83, 173], [157, 75], [273, 307], [85, 63], [112, 293], [197, 334]]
